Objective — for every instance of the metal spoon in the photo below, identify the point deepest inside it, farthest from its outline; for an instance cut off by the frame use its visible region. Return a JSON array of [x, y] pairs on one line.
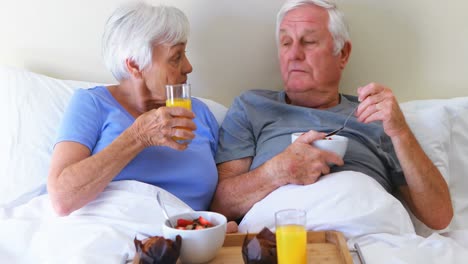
[[359, 253], [163, 209], [343, 126]]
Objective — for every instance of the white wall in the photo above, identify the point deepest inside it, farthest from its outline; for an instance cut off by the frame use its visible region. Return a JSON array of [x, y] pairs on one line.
[[417, 47]]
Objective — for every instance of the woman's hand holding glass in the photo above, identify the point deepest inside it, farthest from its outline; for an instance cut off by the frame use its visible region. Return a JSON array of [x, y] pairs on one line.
[[158, 127]]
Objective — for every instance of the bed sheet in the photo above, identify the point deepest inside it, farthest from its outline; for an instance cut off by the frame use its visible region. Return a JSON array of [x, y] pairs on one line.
[[357, 206], [385, 248], [101, 232]]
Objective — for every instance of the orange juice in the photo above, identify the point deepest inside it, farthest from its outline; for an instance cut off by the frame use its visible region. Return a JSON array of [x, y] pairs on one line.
[[291, 242], [179, 102]]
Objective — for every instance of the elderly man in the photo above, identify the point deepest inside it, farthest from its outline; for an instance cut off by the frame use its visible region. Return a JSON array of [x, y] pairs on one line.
[[255, 156]]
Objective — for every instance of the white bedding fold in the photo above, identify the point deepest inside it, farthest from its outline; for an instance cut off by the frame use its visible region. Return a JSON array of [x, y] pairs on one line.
[[411, 249], [350, 202], [358, 206], [101, 232]]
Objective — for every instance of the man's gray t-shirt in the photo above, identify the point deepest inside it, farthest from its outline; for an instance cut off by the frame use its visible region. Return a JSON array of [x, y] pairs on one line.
[[259, 124]]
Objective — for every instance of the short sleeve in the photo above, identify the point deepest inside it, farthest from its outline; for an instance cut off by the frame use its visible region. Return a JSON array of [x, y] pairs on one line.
[[236, 136], [209, 121], [214, 128], [81, 122]]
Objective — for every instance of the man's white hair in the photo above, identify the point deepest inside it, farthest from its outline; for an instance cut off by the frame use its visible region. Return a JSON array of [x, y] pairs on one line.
[[337, 24], [133, 30]]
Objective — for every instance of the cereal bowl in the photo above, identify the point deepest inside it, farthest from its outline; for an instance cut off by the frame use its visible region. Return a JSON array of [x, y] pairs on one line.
[[337, 144], [199, 245]]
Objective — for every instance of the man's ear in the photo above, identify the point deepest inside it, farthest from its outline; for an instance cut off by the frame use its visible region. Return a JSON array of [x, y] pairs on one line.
[[133, 68], [345, 53]]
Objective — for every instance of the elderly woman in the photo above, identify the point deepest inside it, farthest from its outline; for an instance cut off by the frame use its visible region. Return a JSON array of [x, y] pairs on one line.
[[124, 131]]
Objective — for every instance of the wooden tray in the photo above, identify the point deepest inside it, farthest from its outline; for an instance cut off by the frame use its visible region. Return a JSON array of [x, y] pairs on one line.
[[324, 247]]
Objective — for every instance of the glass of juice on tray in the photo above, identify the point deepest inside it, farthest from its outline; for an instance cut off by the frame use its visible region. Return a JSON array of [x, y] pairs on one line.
[[291, 236], [179, 95]]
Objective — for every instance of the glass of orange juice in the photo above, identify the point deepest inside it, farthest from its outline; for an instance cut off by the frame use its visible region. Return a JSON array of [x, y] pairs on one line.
[[178, 95], [291, 236]]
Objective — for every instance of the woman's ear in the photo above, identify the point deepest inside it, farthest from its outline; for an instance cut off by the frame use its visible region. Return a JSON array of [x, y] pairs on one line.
[[133, 68], [345, 53]]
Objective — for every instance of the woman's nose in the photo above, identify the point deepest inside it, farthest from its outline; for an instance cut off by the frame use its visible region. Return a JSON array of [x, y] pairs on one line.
[[187, 67]]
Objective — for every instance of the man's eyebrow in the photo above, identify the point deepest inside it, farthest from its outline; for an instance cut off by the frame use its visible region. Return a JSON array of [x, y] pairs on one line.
[[306, 32], [309, 29], [283, 32]]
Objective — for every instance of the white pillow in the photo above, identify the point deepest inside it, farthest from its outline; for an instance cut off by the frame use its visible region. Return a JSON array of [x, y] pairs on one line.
[[429, 120], [31, 106], [441, 128], [458, 160], [219, 111]]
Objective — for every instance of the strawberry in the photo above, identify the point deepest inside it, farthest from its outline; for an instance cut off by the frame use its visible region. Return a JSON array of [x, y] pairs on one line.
[[204, 222], [184, 222]]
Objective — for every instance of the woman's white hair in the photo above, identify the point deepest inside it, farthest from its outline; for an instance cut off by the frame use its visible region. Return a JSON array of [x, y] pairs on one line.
[[132, 31], [337, 24]]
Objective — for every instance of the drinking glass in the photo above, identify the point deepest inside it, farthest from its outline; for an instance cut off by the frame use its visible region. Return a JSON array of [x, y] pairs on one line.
[[291, 236], [178, 95]]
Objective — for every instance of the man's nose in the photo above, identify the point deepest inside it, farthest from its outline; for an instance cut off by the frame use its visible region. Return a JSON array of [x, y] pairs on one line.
[[296, 51]]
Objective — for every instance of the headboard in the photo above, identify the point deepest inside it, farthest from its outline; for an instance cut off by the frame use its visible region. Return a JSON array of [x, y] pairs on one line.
[[419, 47]]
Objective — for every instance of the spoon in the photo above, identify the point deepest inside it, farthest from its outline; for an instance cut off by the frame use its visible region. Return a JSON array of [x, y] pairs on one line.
[[343, 126], [163, 209]]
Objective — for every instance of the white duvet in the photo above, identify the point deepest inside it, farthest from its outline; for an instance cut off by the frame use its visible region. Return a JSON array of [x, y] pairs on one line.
[[103, 231], [358, 206]]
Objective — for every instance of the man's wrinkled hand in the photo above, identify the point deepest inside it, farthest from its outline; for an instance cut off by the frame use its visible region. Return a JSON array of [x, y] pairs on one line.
[[378, 103], [302, 163]]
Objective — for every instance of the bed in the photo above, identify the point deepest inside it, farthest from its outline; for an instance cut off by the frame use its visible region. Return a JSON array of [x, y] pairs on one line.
[[32, 105]]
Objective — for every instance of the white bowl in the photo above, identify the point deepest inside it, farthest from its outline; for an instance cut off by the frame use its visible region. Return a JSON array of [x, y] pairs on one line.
[[198, 246], [337, 144]]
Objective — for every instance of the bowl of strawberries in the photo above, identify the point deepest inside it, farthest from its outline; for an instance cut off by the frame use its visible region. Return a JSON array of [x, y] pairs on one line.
[[202, 234]]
